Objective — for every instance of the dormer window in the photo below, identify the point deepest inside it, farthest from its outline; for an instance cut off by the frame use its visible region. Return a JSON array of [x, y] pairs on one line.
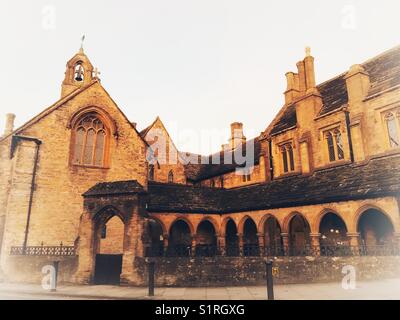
[[334, 144], [392, 129], [287, 157], [78, 72]]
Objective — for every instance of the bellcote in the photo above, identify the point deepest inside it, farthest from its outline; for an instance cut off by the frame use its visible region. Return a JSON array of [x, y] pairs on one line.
[[79, 72]]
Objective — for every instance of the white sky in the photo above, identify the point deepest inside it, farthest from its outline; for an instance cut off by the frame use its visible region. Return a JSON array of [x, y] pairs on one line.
[[198, 64]]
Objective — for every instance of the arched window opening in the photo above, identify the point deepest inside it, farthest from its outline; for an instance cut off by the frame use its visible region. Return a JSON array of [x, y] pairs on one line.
[[273, 245], [108, 249], [206, 239], [90, 136], [392, 129], [212, 183], [231, 239], [156, 238], [221, 181], [250, 239], [334, 241], [170, 177], [299, 236], [287, 157], [79, 72], [334, 144], [376, 232], [180, 240]]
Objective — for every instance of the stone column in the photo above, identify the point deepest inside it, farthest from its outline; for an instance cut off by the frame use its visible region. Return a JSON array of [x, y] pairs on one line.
[[261, 243], [285, 242], [165, 243], [315, 244], [240, 237], [354, 241], [133, 248], [193, 247], [221, 245], [85, 270]]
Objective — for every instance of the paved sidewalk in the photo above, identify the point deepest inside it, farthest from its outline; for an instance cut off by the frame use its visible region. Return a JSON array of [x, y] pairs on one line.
[[380, 289]]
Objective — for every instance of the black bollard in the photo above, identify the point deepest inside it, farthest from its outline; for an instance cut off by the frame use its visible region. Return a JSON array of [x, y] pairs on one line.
[[270, 281], [54, 281], [151, 271]]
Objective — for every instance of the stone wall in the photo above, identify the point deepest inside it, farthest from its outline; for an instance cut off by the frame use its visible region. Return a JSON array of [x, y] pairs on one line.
[[223, 271], [28, 269], [226, 271]]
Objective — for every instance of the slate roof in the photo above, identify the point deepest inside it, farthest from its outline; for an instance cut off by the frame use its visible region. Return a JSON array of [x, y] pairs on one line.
[[207, 169], [114, 188], [376, 178], [384, 72]]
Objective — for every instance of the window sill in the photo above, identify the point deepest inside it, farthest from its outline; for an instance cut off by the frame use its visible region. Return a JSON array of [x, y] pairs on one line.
[[88, 167], [334, 164]]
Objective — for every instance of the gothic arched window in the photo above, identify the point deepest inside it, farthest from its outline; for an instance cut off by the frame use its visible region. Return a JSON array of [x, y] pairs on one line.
[[334, 144], [171, 177], [287, 157], [90, 142], [392, 130]]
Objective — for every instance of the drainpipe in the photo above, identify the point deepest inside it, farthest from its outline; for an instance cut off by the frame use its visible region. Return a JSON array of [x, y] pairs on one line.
[[271, 164], [35, 166], [347, 115]]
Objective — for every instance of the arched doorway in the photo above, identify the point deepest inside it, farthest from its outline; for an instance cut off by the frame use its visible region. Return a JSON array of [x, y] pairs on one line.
[[206, 239], [334, 241], [273, 245], [299, 236], [376, 232], [180, 239], [250, 239], [156, 239], [109, 242], [231, 239]]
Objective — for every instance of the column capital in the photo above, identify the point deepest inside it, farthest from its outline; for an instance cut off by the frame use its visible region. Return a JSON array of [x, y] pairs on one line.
[[315, 235], [285, 234], [353, 234]]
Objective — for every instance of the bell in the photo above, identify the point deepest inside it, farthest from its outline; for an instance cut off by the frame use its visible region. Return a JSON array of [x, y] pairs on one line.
[[78, 77]]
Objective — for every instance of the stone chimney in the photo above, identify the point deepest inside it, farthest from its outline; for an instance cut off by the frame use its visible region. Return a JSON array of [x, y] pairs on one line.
[[357, 83], [237, 136], [9, 128], [292, 89], [307, 74]]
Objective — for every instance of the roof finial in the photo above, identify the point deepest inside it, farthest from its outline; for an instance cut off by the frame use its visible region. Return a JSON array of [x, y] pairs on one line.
[[82, 39], [308, 51]]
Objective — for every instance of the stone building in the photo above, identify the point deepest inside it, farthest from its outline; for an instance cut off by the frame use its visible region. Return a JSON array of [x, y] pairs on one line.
[[80, 184]]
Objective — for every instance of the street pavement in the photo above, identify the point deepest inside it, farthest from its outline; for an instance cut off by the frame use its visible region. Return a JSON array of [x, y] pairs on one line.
[[366, 290]]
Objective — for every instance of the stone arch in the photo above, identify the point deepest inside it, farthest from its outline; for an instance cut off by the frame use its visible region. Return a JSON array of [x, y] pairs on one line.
[[180, 238], [240, 225], [156, 233], [299, 233], [366, 207], [99, 111], [315, 224], [213, 221], [206, 238], [189, 223], [375, 228], [224, 223], [288, 218], [271, 230], [333, 230], [231, 237], [108, 245], [250, 238]]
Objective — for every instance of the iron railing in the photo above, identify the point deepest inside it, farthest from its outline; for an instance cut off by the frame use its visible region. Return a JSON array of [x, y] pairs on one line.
[[42, 250], [249, 250]]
